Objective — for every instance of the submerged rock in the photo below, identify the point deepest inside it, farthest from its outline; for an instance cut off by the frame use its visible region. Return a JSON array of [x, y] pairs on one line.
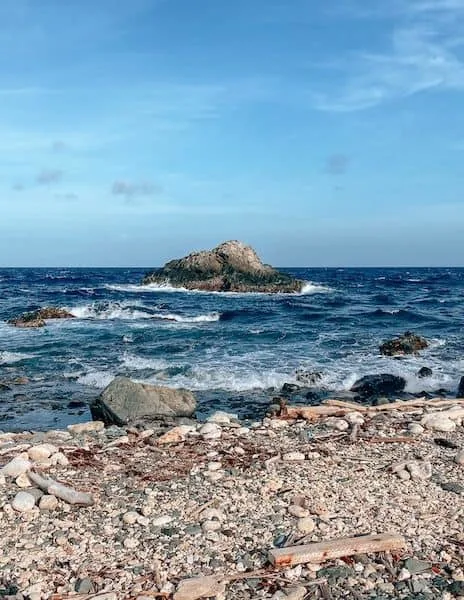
[[378, 385], [38, 317], [408, 343], [424, 372], [230, 267], [125, 401]]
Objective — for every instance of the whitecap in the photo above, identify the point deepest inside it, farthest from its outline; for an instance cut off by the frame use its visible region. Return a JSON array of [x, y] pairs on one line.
[[8, 358], [97, 379], [139, 362]]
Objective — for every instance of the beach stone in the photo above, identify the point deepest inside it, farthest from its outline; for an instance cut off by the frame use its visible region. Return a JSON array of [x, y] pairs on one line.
[[214, 466], [23, 502], [162, 521], [416, 566], [419, 470], [175, 435], [306, 525], [36, 493], [339, 424], [221, 417], [459, 458], [88, 427], [23, 481], [210, 431], [131, 543], [42, 452], [84, 586], [124, 401], [415, 428], [438, 422], [16, 467], [211, 514], [200, 587], [211, 526], [408, 343], [60, 459], [130, 517], [296, 593], [293, 456], [354, 418], [48, 502], [298, 511]]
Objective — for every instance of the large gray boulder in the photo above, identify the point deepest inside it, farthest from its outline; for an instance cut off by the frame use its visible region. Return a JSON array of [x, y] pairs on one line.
[[125, 401], [230, 267]]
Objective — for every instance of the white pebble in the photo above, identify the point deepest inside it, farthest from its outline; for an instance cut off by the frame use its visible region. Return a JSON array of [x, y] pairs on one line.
[[23, 502], [214, 466], [298, 511], [415, 428], [131, 543], [48, 502], [306, 525], [130, 517], [211, 526], [160, 521], [88, 427], [459, 459], [16, 467], [293, 456]]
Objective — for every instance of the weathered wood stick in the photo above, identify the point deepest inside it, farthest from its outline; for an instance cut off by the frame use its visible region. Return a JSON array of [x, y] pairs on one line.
[[313, 412], [68, 494], [322, 551]]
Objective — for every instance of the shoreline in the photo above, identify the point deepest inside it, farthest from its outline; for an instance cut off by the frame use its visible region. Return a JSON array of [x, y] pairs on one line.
[[220, 496]]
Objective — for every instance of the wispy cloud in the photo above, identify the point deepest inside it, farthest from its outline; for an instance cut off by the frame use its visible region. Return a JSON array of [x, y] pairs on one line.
[[132, 190], [49, 176], [424, 54]]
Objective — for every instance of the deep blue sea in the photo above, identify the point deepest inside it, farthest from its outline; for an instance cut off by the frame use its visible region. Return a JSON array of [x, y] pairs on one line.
[[230, 348]]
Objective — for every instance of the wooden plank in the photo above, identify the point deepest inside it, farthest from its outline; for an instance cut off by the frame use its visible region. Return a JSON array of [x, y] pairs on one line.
[[322, 551]]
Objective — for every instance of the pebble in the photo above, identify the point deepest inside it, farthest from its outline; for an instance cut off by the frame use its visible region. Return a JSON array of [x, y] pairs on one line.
[[222, 418], [293, 456], [420, 470], [210, 431], [88, 427], [60, 459], [175, 435], [296, 593], [161, 521], [306, 525], [415, 428], [200, 587], [403, 575], [23, 481], [339, 424], [84, 586], [48, 502], [16, 467], [130, 517], [131, 543], [211, 514], [214, 466], [298, 511], [459, 459], [23, 502], [211, 526], [354, 418]]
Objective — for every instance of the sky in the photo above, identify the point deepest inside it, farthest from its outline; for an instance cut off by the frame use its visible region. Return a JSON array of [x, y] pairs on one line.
[[322, 132]]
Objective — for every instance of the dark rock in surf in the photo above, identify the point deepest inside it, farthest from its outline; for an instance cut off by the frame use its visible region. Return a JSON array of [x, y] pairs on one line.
[[125, 401], [308, 377], [372, 386], [461, 388], [424, 372], [38, 318], [408, 343], [230, 267]]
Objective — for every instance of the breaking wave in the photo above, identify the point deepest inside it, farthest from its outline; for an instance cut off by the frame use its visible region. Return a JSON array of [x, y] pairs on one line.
[[118, 310], [9, 358]]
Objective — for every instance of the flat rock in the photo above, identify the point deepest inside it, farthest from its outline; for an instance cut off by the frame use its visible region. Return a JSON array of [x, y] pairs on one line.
[[125, 401], [438, 422], [200, 587]]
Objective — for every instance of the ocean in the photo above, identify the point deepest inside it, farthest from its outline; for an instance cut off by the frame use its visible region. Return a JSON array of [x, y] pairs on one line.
[[234, 350]]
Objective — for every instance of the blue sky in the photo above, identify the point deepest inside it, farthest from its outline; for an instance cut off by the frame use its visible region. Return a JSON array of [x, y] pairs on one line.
[[323, 132]]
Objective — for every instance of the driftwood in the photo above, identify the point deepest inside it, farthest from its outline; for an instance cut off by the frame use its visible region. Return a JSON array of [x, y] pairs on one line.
[[322, 551], [68, 494], [339, 408]]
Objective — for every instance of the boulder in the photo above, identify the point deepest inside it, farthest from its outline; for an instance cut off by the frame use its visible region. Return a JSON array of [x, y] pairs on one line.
[[38, 317], [461, 388], [378, 385], [424, 372], [125, 401], [308, 377], [230, 267], [408, 343]]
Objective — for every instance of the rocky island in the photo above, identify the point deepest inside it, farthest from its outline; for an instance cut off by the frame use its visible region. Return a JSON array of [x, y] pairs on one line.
[[230, 267]]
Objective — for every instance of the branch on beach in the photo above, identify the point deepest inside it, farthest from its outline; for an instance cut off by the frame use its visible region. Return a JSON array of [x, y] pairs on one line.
[[64, 492]]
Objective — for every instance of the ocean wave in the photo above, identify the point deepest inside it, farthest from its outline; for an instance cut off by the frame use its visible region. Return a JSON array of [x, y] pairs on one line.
[[9, 358], [120, 310], [140, 363], [97, 379], [309, 287]]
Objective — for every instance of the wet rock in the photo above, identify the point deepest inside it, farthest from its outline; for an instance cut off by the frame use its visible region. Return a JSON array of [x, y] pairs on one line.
[[230, 267], [308, 377], [408, 343], [460, 393], [424, 372], [23, 502], [125, 401], [378, 385], [38, 317]]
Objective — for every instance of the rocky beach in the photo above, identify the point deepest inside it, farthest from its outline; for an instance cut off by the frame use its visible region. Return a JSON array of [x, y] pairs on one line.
[[162, 504]]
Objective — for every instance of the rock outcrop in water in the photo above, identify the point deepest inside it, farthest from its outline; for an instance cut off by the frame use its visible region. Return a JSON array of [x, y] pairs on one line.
[[230, 267], [38, 317], [124, 402], [372, 386], [408, 343]]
